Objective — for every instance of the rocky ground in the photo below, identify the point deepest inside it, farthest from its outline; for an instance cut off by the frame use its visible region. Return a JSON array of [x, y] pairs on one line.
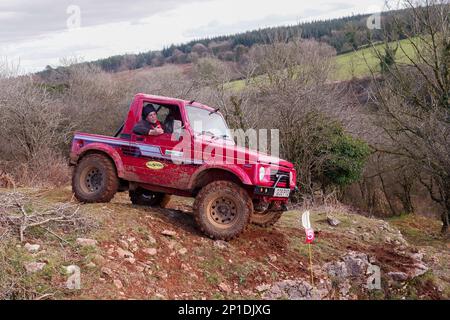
[[122, 251]]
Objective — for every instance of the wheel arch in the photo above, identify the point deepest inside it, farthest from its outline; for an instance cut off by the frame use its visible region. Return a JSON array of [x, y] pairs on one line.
[[210, 174], [108, 152]]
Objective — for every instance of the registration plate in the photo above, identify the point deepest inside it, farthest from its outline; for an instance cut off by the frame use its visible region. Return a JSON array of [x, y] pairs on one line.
[[282, 192]]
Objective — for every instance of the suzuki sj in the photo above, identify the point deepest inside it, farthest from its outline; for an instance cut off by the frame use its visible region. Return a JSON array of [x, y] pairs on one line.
[[198, 158]]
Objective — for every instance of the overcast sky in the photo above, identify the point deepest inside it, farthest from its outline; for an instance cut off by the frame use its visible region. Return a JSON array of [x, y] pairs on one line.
[[41, 32]]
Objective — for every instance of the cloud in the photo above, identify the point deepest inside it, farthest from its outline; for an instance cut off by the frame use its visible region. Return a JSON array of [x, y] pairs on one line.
[[281, 12], [36, 34], [24, 19]]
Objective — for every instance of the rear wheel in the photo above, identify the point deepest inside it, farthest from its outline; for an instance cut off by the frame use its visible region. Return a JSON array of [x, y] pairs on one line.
[[222, 209], [95, 179], [145, 197]]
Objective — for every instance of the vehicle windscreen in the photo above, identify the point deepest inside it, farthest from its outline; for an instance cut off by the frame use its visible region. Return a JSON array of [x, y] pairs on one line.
[[208, 123]]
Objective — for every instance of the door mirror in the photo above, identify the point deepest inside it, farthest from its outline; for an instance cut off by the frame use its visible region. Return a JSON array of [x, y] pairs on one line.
[[177, 130]]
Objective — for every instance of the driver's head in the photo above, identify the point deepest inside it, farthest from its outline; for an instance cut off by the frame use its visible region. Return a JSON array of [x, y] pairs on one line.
[[149, 114]]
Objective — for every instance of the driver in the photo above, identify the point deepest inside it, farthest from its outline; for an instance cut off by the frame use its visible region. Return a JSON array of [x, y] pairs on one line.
[[149, 125]]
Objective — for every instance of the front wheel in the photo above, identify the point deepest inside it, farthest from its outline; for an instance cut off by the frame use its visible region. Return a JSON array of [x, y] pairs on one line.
[[95, 179], [265, 219], [267, 215], [222, 209]]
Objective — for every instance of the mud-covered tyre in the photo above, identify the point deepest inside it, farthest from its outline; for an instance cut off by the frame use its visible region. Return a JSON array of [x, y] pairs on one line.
[[265, 219], [144, 197], [95, 179], [222, 210]]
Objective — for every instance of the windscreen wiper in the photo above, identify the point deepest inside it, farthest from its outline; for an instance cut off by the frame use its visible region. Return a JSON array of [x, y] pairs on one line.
[[209, 133], [215, 111]]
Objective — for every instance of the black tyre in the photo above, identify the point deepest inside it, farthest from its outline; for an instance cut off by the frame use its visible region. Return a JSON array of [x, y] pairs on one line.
[[222, 210], [265, 219], [143, 197], [265, 216], [95, 179]]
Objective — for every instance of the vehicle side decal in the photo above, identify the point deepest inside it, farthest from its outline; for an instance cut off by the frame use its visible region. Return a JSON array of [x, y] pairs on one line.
[[145, 151]]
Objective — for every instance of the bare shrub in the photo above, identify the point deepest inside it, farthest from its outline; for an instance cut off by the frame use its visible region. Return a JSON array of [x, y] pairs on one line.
[[6, 180], [18, 212], [31, 121], [168, 80], [94, 100]]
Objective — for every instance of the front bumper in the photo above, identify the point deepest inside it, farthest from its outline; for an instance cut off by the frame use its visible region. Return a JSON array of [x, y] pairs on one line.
[[270, 192]]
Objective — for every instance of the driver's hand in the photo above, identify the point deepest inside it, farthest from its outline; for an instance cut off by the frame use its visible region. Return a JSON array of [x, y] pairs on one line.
[[159, 130]]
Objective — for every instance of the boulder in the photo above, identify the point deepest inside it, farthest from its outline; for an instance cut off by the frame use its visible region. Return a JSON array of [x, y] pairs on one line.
[[224, 287], [418, 270], [118, 284], [107, 271], [398, 276], [98, 259], [336, 269], [124, 253], [263, 287], [32, 267], [333, 221], [150, 251], [32, 247], [86, 242], [356, 263], [151, 240], [123, 244], [295, 290], [220, 244], [169, 233], [130, 260]]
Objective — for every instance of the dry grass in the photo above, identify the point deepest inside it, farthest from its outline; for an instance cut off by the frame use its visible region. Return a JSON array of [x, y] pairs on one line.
[[48, 169]]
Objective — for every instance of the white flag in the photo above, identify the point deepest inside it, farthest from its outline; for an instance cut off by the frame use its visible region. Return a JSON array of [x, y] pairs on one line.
[[305, 220]]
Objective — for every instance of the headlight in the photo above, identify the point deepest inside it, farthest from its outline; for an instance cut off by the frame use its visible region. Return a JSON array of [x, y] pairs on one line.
[[262, 173], [291, 177]]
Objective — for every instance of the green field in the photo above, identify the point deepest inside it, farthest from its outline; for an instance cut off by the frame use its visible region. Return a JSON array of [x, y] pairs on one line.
[[355, 64], [359, 63]]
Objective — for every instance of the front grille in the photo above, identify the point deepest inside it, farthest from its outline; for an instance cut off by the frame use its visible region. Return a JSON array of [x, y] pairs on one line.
[[284, 180]]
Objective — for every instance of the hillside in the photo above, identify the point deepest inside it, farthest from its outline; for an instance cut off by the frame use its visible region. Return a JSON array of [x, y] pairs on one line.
[[356, 64], [359, 63], [344, 34], [132, 252]]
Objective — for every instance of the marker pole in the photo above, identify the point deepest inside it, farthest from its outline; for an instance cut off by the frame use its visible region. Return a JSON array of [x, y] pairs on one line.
[[310, 264]]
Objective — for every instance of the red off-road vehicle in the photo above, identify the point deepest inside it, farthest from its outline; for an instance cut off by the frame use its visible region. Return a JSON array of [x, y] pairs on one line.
[[195, 157]]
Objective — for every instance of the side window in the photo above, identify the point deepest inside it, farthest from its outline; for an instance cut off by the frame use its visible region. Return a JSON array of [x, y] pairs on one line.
[[162, 112], [166, 114]]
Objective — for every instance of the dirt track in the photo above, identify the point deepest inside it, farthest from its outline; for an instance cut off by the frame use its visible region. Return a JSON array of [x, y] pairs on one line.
[[134, 259]]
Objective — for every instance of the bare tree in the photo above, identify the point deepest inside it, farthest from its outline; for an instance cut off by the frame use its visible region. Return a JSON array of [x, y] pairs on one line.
[[168, 80], [294, 89], [413, 99]]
